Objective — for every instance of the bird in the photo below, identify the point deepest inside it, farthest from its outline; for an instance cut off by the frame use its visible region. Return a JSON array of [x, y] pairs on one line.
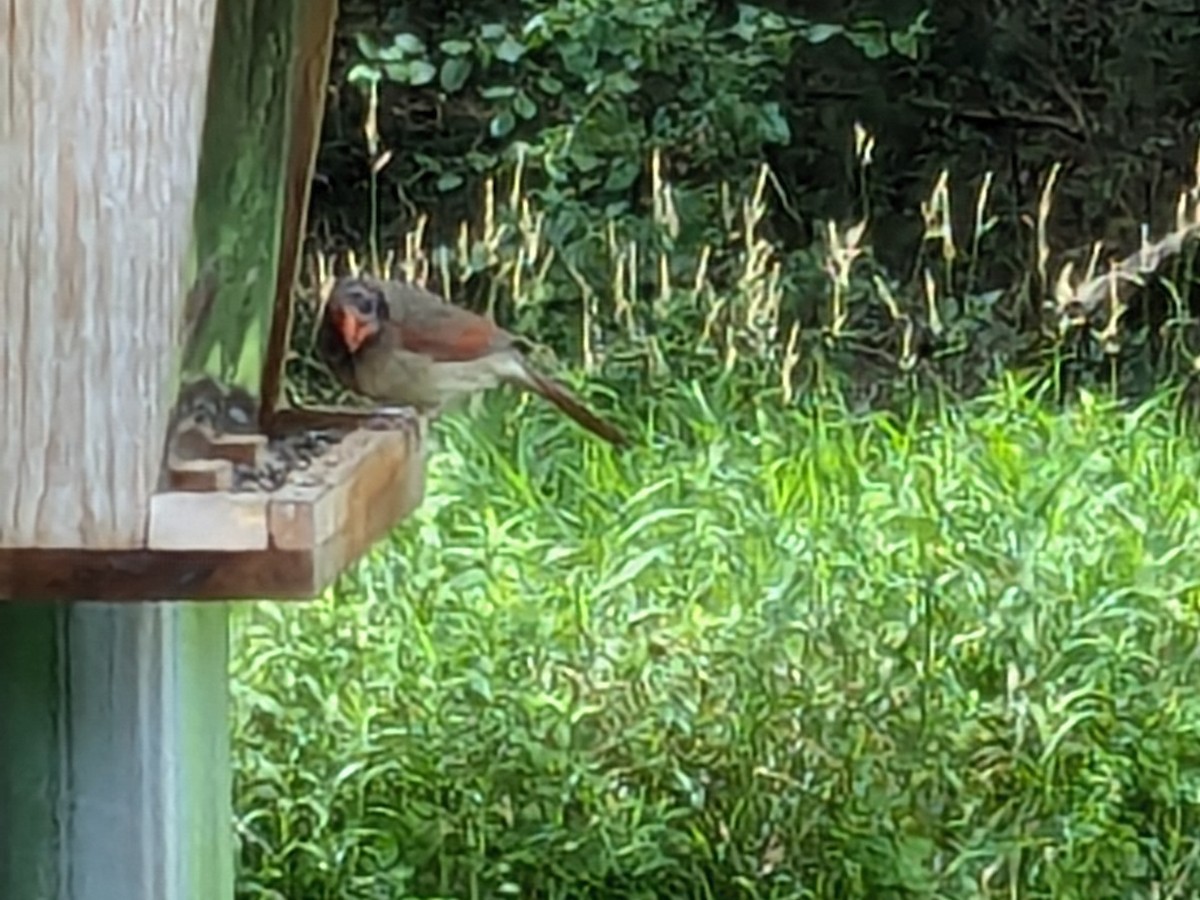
[[396, 342]]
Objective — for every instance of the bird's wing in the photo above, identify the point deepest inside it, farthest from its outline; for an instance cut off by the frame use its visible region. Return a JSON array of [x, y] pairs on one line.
[[446, 334]]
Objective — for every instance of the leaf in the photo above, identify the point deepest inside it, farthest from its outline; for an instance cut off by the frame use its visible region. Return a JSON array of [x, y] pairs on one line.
[[492, 31], [409, 44], [623, 83], [774, 125], [535, 23], [478, 684], [549, 84], [820, 33], [398, 72], [454, 74], [870, 46], [480, 162], [583, 159], [448, 181], [871, 38], [621, 175], [907, 45], [908, 42], [498, 92], [502, 124], [747, 25], [510, 50], [524, 106], [421, 72], [629, 571], [579, 58], [366, 45], [390, 53], [455, 47]]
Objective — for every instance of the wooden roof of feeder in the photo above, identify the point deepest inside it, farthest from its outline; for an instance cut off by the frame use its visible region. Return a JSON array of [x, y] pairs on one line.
[[249, 498]]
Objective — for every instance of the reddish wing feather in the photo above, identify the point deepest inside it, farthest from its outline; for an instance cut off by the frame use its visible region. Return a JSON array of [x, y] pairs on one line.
[[449, 335]]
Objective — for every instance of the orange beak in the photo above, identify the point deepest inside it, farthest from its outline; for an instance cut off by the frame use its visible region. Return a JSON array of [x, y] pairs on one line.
[[354, 330]]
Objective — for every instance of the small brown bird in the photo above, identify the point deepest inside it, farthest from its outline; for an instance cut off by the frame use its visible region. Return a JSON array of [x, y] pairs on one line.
[[398, 343]]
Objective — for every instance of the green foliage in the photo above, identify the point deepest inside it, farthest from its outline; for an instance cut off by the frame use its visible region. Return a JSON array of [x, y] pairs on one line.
[[1008, 87], [786, 647], [833, 629], [584, 90], [645, 125], [770, 653], [783, 648]]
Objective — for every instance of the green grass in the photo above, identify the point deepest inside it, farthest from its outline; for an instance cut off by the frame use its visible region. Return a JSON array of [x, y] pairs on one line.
[[768, 653]]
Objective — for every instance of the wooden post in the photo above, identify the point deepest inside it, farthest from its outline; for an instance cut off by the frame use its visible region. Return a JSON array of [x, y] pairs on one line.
[[101, 110], [114, 756], [114, 726]]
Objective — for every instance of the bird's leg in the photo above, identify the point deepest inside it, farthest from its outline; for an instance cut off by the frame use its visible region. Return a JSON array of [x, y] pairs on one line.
[[393, 418]]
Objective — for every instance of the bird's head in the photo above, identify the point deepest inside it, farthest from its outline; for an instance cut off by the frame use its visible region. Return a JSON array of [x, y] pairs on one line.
[[356, 311]]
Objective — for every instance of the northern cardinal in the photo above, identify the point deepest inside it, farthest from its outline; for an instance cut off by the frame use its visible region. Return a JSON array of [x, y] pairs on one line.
[[398, 343]]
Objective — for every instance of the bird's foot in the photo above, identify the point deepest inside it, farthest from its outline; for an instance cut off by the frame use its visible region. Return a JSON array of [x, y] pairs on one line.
[[393, 418]]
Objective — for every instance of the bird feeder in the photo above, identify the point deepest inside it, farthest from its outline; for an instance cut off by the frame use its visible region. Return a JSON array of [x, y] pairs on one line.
[[157, 162], [127, 484]]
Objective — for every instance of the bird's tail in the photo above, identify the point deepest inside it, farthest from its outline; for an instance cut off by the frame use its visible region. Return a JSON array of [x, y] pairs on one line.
[[568, 403]]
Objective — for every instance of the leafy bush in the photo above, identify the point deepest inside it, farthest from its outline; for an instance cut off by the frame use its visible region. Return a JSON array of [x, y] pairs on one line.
[[1008, 87], [589, 89]]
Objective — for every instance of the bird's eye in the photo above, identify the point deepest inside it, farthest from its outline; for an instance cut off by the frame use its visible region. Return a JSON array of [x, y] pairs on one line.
[[367, 304], [375, 306]]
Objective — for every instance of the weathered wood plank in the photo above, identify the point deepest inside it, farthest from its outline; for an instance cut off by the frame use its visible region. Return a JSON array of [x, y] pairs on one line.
[[216, 520], [41, 576], [306, 110], [98, 190]]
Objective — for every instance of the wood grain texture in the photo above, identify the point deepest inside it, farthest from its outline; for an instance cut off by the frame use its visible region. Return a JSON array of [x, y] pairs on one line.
[[200, 475], [215, 520], [375, 472], [101, 111], [114, 739], [51, 576]]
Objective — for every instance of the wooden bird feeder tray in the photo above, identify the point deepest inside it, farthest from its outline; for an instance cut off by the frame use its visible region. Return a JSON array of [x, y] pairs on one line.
[[243, 514], [216, 533]]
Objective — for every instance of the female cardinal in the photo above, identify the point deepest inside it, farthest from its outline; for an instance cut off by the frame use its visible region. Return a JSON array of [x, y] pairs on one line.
[[399, 343]]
